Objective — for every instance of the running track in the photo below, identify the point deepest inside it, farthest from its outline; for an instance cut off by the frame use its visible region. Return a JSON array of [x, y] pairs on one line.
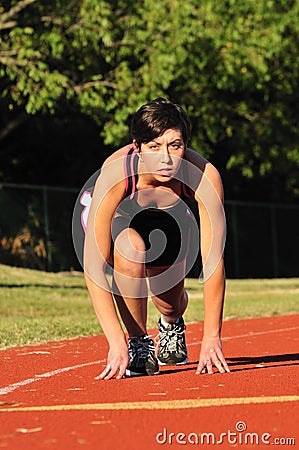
[[50, 398]]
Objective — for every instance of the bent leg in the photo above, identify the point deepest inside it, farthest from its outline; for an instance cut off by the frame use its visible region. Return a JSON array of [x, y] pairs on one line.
[[171, 301], [170, 298], [129, 282]]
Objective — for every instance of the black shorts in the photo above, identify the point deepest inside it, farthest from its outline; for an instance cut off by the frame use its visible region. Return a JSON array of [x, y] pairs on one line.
[[167, 236]]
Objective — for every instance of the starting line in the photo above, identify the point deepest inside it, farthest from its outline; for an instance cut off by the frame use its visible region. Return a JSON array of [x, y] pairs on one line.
[[161, 405]]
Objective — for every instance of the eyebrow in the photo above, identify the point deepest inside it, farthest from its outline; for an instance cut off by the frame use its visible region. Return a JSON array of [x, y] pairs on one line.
[[175, 141]]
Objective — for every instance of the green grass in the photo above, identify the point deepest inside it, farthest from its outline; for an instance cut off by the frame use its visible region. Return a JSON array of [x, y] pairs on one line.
[[36, 307]]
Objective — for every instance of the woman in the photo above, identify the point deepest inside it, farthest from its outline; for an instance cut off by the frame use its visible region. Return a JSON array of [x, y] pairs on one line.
[[140, 225]]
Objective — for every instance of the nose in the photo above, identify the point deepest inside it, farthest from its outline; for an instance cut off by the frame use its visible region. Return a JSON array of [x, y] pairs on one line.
[[165, 156]]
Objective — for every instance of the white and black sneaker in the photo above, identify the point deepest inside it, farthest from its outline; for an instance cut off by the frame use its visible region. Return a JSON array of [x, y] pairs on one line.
[[172, 348], [142, 359]]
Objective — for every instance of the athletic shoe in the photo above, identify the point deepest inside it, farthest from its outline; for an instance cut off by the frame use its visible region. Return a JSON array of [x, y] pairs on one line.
[[172, 346], [142, 360]]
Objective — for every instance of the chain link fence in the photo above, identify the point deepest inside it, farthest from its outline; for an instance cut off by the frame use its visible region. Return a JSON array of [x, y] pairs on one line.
[[36, 232], [35, 227]]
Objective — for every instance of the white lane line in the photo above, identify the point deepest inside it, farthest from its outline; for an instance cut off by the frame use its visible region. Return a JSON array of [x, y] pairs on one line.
[[259, 333], [251, 334], [12, 387]]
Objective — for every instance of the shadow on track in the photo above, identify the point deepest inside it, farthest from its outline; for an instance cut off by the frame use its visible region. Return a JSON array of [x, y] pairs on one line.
[[263, 362]]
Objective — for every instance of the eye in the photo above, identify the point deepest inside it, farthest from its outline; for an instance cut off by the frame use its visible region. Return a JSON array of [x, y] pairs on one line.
[[175, 146]]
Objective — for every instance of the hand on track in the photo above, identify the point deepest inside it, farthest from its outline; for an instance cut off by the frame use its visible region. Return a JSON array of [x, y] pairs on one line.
[[211, 355]]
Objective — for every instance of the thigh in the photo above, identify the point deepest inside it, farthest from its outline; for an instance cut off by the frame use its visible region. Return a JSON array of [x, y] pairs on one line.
[[119, 223], [130, 246], [127, 242]]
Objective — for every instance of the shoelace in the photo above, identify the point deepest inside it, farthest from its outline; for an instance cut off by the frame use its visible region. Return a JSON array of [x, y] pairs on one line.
[[171, 338], [141, 347]]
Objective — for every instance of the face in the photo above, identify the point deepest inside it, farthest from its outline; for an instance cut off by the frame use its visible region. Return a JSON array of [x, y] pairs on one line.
[[162, 156]]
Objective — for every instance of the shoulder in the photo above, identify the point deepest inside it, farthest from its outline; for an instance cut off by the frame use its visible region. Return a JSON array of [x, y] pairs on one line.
[[195, 158], [118, 155], [112, 170], [208, 173], [112, 176]]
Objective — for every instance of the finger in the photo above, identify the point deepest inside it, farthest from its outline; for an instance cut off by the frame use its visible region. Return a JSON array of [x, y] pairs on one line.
[[111, 373], [226, 368], [209, 366], [222, 361], [200, 368], [204, 366], [103, 374], [215, 359], [106, 374], [122, 372], [218, 365]]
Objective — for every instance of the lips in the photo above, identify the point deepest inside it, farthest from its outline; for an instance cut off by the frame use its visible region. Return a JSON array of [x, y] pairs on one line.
[[165, 172]]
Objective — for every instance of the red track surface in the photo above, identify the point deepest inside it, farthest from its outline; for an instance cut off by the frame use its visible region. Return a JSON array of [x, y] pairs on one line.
[[50, 399]]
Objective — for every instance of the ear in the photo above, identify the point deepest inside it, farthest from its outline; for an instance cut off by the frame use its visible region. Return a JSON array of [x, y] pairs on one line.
[[137, 149], [135, 145]]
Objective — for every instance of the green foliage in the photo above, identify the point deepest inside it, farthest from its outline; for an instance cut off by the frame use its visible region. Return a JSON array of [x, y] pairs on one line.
[[232, 64]]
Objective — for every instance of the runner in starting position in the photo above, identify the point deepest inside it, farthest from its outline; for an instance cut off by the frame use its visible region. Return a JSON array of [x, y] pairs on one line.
[[140, 225]]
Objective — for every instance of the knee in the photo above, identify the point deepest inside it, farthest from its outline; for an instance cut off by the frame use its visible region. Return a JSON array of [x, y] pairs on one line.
[[174, 309], [169, 310], [129, 251]]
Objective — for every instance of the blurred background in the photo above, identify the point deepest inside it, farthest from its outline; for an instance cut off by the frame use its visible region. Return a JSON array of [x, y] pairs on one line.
[[73, 72]]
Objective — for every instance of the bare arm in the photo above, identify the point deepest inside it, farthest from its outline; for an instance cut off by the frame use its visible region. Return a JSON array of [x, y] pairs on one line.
[[209, 196], [107, 195]]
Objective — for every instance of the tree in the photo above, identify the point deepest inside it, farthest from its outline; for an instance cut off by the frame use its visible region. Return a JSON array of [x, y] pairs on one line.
[[232, 64]]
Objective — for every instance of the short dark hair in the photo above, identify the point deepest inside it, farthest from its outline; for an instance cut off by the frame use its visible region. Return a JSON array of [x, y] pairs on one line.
[[157, 116]]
